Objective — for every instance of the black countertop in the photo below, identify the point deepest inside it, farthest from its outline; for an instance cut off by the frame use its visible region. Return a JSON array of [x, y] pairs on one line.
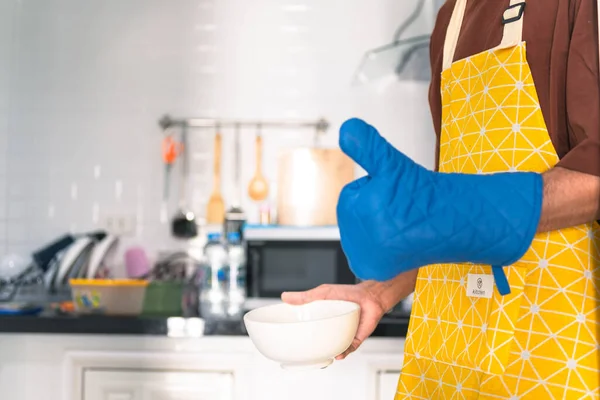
[[157, 326], [99, 325]]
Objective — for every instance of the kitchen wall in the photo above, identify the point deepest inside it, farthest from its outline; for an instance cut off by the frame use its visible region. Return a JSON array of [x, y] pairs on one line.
[[83, 84]]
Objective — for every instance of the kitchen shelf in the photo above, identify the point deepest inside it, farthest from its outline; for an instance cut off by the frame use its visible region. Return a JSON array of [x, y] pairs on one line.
[[284, 233]]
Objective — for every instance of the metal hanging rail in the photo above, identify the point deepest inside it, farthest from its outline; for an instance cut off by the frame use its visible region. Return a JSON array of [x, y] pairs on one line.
[[166, 122]]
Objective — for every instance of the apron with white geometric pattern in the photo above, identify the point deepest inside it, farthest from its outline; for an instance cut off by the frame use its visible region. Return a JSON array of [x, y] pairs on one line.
[[540, 341]]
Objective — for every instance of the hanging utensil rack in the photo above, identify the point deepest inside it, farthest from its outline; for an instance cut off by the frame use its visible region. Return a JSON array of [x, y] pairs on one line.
[[318, 128], [166, 122]]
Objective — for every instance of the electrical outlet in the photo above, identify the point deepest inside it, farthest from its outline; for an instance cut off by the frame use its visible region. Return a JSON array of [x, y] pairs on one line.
[[120, 224]]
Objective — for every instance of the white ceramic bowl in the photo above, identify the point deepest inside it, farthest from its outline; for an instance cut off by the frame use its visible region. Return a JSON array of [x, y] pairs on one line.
[[303, 337]]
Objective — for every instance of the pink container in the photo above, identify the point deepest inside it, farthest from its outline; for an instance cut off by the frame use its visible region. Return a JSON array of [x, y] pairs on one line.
[[137, 264]]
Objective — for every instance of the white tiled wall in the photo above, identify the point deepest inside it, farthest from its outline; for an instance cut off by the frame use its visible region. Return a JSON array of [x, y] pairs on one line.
[[83, 84]]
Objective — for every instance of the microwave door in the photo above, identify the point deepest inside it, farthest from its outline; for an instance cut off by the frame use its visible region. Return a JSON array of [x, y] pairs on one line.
[[300, 270], [295, 266]]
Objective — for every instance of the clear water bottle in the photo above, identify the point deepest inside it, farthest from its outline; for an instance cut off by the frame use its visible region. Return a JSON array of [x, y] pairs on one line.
[[213, 292], [406, 304], [236, 276]]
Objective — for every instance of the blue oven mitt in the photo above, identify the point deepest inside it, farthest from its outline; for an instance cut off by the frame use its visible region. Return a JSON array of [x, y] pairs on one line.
[[402, 216]]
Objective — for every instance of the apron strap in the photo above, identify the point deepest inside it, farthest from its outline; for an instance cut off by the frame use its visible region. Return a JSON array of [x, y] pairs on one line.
[[453, 32], [513, 24], [513, 28]]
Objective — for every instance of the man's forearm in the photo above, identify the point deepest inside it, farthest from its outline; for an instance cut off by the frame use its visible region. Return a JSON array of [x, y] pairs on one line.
[[570, 199]]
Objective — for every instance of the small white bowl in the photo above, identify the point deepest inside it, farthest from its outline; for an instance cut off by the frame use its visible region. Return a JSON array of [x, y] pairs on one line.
[[308, 336]]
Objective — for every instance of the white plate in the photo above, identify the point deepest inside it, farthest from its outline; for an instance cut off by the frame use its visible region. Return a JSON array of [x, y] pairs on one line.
[[70, 256], [101, 253]]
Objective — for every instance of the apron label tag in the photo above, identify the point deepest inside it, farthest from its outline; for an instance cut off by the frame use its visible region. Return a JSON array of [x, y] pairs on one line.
[[480, 286]]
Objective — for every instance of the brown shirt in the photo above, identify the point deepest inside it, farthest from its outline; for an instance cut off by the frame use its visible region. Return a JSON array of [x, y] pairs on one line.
[[562, 50]]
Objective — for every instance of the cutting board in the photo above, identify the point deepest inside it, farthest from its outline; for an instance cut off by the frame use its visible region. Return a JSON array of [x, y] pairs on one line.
[[309, 184]]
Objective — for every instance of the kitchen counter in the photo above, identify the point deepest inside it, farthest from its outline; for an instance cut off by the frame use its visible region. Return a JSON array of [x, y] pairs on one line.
[[153, 326]]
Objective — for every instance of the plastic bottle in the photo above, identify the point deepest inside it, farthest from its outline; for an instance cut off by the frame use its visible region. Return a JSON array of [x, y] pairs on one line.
[[213, 295], [236, 277]]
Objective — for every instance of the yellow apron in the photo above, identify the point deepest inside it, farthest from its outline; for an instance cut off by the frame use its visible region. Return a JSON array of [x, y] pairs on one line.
[[541, 341]]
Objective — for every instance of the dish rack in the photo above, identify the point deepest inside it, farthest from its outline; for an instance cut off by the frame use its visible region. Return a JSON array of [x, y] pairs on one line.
[[29, 286], [46, 279]]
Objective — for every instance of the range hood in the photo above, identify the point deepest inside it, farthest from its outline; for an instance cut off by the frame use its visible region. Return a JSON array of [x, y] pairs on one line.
[[402, 59], [405, 59]]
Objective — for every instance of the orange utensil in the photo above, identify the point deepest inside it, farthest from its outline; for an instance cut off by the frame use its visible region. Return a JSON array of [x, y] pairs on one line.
[[258, 189], [170, 151]]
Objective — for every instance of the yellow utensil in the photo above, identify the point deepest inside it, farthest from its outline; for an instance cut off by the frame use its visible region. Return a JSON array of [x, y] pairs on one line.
[[258, 189], [215, 210]]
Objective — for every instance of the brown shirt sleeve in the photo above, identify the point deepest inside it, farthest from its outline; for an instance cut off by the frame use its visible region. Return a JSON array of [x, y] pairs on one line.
[[562, 50], [583, 91]]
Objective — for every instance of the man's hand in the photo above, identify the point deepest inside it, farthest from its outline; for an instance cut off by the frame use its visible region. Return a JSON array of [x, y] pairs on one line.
[[570, 199], [374, 298]]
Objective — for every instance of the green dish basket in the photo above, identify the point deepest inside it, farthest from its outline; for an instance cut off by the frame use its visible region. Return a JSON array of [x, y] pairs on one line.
[[164, 299]]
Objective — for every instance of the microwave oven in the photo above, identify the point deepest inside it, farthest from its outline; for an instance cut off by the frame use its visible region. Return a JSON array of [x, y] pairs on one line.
[[281, 259]]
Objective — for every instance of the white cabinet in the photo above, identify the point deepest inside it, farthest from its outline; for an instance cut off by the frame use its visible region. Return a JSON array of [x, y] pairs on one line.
[[86, 367], [158, 375], [387, 382], [159, 385]]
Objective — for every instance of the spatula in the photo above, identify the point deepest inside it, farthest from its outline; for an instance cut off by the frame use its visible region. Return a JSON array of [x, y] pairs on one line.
[[215, 210]]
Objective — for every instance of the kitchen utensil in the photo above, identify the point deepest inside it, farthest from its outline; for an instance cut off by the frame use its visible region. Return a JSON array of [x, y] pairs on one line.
[[110, 297], [96, 235], [309, 183], [215, 210], [184, 223], [74, 260], [137, 264], [102, 257], [237, 199], [235, 218], [81, 264], [45, 255], [258, 189], [265, 216], [52, 270], [178, 266], [308, 336], [170, 150]]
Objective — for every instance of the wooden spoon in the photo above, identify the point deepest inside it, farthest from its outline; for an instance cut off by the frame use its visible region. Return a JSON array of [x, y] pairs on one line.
[[215, 209], [258, 189]]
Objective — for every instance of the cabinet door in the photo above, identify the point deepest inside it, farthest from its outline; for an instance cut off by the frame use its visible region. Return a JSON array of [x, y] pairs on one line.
[[150, 385], [387, 384]]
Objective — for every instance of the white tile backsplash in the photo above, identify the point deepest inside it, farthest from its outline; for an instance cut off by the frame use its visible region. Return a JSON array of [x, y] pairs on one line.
[[83, 84], [6, 39]]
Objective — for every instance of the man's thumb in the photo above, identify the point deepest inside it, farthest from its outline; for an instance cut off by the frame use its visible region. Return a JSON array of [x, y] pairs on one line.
[[361, 142]]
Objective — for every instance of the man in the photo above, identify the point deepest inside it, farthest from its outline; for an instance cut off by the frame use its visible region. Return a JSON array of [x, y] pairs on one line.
[[499, 244]]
